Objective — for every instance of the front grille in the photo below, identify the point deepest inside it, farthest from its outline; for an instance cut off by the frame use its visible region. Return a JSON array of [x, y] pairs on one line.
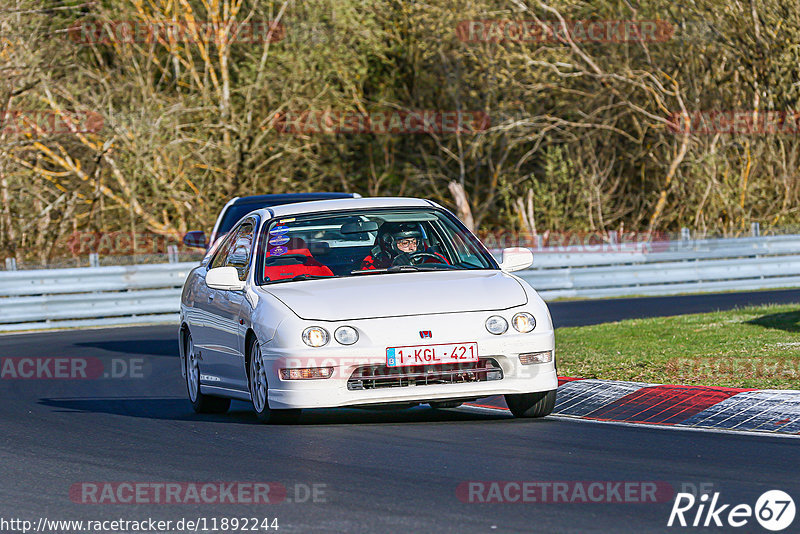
[[381, 376]]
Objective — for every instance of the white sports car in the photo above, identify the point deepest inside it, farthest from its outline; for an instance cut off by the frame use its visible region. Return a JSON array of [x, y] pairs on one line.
[[362, 302]]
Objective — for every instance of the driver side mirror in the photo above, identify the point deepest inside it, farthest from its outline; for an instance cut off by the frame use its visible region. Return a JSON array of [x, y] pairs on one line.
[[516, 259], [224, 278]]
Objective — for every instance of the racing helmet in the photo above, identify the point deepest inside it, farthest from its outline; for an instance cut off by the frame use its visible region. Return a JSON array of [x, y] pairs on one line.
[[390, 233]]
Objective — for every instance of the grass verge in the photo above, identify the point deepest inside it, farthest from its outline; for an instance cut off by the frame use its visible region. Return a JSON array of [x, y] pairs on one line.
[[756, 347]]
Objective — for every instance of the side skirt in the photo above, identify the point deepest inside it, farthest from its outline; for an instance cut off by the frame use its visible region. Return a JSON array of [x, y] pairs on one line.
[[225, 392]]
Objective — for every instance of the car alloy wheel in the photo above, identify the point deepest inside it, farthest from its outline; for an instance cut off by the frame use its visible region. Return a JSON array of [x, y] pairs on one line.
[[258, 378], [200, 402], [259, 387], [192, 370]]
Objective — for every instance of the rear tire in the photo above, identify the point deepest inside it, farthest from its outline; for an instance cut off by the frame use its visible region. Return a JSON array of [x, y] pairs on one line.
[[200, 402], [259, 389], [537, 404]]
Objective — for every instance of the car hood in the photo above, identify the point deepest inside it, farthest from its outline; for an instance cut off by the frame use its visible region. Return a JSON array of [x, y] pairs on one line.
[[398, 294]]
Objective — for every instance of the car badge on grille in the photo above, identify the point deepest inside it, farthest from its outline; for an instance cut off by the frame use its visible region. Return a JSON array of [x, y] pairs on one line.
[[425, 334]]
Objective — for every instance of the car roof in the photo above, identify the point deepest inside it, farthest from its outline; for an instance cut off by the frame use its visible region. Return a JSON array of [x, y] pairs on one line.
[[286, 210], [289, 197]]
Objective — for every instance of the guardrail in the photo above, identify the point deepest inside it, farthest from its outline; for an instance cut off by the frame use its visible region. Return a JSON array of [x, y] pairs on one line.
[[99, 296], [91, 296], [667, 268]]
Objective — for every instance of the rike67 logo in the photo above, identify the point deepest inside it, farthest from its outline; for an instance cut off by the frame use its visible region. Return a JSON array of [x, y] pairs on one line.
[[774, 510]]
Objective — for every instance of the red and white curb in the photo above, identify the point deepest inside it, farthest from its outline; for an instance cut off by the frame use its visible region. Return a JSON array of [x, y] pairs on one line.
[[697, 407]]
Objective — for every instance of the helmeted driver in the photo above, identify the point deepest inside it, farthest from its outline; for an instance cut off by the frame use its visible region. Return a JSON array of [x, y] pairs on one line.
[[397, 244]]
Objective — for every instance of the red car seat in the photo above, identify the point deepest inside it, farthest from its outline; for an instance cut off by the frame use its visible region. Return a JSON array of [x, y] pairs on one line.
[[289, 265]]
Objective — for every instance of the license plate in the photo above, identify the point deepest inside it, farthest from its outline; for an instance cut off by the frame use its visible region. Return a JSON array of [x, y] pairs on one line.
[[431, 354]]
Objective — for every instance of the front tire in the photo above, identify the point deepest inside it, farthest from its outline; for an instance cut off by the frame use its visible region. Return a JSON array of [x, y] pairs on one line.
[[259, 388], [537, 404], [200, 402]]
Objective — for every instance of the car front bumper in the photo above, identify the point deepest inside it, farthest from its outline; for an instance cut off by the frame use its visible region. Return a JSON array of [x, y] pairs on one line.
[[332, 392], [306, 394]]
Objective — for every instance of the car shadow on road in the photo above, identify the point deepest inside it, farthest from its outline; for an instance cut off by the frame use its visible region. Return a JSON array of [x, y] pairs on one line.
[[419, 414], [176, 409], [150, 347], [786, 321]]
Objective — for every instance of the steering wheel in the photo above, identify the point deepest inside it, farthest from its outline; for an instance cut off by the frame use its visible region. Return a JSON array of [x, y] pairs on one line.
[[416, 258]]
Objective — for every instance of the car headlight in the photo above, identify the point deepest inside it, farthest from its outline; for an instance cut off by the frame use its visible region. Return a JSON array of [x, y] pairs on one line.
[[346, 335], [523, 322], [496, 325], [315, 336]]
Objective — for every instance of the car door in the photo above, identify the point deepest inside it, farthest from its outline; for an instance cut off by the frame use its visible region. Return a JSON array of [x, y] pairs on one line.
[[226, 357], [206, 317]]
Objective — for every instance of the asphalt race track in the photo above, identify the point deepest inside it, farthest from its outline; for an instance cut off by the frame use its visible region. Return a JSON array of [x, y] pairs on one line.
[[374, 471]]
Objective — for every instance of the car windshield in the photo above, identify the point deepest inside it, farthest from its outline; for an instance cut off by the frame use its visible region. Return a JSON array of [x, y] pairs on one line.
[[366, 242]]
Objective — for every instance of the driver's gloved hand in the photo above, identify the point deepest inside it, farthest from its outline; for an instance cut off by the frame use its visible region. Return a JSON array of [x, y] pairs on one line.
[[402, 259]]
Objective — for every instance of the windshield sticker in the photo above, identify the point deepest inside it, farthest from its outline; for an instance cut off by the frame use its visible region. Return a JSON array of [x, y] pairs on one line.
[[284, 221], [278, 251], [279, 230], [279, 240]]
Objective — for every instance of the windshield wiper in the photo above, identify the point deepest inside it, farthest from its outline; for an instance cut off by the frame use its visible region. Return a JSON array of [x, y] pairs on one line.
[[368, 271], [426, 267], [300, 277], [403, 269], [393, 269]]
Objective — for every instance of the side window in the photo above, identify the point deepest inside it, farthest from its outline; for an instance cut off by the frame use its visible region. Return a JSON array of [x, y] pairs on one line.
[[222, 252], [240, 251]]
